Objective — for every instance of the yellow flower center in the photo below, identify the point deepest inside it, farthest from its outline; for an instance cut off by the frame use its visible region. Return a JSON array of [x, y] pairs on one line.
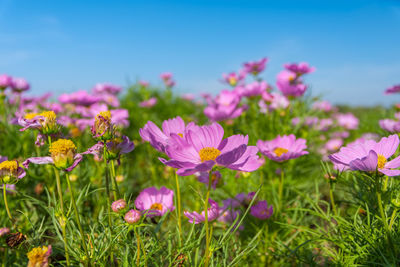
[[62, 146], [232, 81], [105, 114], [156, 206], [37, 256], [31, 115], [9, 165], [49, 115], [279, 151], [181, 135], [208, 153], [381, 161]]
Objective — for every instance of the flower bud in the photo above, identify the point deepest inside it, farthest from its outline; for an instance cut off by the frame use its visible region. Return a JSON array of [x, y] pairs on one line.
[[132, 216], [102, 128], [118, 205], [63, 152]]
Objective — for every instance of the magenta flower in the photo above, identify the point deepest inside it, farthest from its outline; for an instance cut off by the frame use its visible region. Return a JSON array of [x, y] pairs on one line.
[[392, 90], [153, 202], [261, 210], [118, 205], [369, 156], [4, 231], [255, 67], [212, 213], [204, 178], [165, 76], [79, 98], [348, 121], [239, 200], [233, 79], [324, 106], [203, 147], [19, 85], [225, 106], [290, 84], [252, 89], [5, 81], [299, 68], [159, 139], [148, 103], [132, 216], [283, 148], [188, 97], [391, 126], [144, 83], [107, 88], [333, 144]]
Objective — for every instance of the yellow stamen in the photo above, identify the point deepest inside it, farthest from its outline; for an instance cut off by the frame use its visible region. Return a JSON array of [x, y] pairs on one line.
[[49, 115], [232, 81], [9, 165], [31, 115], [208, 153], [381, 161], [156, 206], [181, 135], [105, 114], [62, 146], [37, 256], [279, 151]]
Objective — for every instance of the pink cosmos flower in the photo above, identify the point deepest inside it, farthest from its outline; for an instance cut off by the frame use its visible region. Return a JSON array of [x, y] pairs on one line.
[[19, 85], [252, 89], [299, 68], [204, 178], [107, 88], [144, 83], [159, 139], [225, 106], [389, 125], [261, 210], [153, 202], [333, 144], [369, 156], [347, 120], [118, 205], [4, 231], [283, 148], [290, 84], [189, 97], [392, 90], [5, 81], [212, 213], [132, 216], [10, 188], [324, 124], [233, 79], [239, 200], [166, 76], [255, 67], [202, 147], [148, 103], [322, 106]]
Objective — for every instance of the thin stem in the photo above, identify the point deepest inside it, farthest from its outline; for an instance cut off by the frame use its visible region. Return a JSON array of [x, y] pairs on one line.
[[178, 196], [332, 199], [116, 191], [392, 219], [108, 197], [63, 220], [6, 203], [280, 188], [4, 257], [386, 183], [139, 245], [206, 220], [77, 218]]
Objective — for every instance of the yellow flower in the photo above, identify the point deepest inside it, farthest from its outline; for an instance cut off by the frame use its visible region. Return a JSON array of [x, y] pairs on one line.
[[63, 152], [39, 257]]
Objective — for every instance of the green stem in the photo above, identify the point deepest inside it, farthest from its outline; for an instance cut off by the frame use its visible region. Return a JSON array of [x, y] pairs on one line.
[[392, 219], [77, 218], [332, 199], [178, 197], [4, 258], [116, 191], [206, 259], [386, 183], [6, 203], [63, 220], [280, 188], [139, 245], [108, 197]]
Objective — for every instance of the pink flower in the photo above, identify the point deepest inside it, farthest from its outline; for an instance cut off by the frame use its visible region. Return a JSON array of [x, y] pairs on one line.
[[212, 213], [233, 79], [132, 216], [322, 106], [255, 67], [252, 89], [165, 76], [144, 83], [5, 81], [299, 68], [4, 231], [225, 106], [159, 139], [148, 103], [204, 178], [348, 121], [334, 144], [153, 202], [188, 97], [261, 210], [392, 90], [369, 156], [19, 85], [290, 84], [391, 126], [106, 88], [202, 147], [283, 148], [118, 205], [79, 98]]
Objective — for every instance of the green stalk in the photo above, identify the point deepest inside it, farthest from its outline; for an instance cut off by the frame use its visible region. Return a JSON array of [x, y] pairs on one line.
[[178, 197], [108, 197], [77, 218], [6, 203], [332, 198], [206, 259], [280, 188], [392, 219], [63, 219], [116, 191]]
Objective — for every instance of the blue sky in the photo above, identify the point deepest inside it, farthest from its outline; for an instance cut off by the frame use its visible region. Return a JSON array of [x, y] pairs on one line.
[[63, 46]]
